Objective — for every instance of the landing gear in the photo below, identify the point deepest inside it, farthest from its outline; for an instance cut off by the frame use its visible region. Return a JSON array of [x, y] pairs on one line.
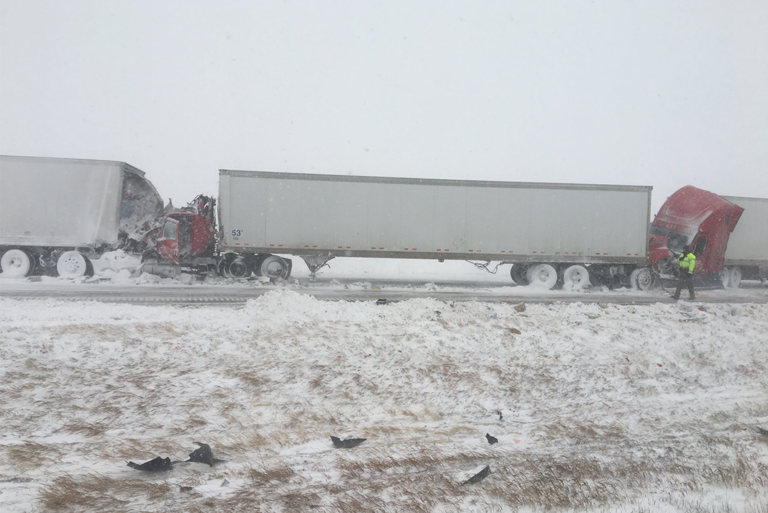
[[315, 263]]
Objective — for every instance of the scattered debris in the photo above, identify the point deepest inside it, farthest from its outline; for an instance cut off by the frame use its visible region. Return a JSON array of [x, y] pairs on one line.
[[479, 476], [348, 443], [204, 454], [494, 316], [762, 431], [515, 331], [186, 488], [224, 483], [156, 464], [501, 417], [520, 307], [491, 439]]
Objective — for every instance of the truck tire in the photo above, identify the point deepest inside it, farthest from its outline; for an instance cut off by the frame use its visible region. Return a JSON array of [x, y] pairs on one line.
[[576, 277], [239, 268], [16, 263], [72, 264], [642, 279], [518, 274], [542, 275], [734, 277], [725, 277], [274, 268]]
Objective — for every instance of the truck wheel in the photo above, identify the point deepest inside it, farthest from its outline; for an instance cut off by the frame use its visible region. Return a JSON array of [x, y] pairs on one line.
[[576, 277], [274, 267], [725, 277], [239, 268], [72, 264], [642, 279], [734, 277], [542, 275], [16, 263], [518, 274]]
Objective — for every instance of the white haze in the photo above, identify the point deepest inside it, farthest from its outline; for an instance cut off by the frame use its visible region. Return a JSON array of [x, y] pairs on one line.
[[652, 93]]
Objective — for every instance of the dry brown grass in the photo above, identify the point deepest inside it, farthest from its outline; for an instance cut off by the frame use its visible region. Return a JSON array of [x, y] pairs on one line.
[[30, 455], [100, 493]]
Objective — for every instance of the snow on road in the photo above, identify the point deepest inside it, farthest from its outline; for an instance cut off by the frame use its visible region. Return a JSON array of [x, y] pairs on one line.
[[596, 408]]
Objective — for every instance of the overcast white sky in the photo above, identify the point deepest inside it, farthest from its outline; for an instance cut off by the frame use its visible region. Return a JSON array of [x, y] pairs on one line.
[[663, 93]]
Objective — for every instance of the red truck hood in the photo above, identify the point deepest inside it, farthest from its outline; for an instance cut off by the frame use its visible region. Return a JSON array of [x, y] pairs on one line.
[[691, 210]]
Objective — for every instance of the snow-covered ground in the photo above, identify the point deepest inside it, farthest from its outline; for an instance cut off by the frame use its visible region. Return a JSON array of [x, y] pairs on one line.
[[603, 408]]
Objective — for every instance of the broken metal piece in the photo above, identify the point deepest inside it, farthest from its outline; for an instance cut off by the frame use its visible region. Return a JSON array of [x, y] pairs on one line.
[[348, 443], [157, 464], [203, 454], [479, 476]]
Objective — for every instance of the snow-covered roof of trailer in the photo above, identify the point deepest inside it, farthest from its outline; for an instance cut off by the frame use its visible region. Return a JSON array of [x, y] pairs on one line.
[[433, 181], [124, 165]]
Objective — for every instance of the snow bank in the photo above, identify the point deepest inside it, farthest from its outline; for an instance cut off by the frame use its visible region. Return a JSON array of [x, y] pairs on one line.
[[596, 408]]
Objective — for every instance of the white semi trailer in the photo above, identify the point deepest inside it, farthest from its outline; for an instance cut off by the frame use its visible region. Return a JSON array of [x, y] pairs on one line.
[[570, 233], [747, 253], [56, 215]]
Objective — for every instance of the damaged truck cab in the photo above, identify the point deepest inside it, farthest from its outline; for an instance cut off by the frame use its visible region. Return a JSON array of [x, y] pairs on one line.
[[696, 218]]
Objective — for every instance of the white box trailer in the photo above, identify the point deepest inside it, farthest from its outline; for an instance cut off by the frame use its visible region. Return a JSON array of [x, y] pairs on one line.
[[747, 252], [53, 206], [319, 217]]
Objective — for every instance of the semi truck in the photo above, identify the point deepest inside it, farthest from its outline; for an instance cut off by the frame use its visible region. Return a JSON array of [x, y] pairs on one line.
[[701, 220], [571, 235], [59, 215], [747, 253], [549, 232]]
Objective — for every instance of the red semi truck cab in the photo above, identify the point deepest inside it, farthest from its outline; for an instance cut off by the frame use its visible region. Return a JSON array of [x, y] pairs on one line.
[[697, 218]]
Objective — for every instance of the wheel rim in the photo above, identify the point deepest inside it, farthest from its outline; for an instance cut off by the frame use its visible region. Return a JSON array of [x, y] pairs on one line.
[[543, 275], [644, 280], [16, 262], [274, 269], [576, 277], [72, 264], [518, 274], [238, 268]]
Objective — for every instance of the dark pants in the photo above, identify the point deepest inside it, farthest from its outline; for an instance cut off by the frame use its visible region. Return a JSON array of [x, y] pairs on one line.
[[686, 280]]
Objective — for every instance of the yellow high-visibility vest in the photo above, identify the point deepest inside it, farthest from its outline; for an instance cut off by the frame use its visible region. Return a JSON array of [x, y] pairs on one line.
[[687, 261]]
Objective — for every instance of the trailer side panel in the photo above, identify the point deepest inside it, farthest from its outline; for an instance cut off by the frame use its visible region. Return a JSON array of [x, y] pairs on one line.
[[748, 244], [409, 218]]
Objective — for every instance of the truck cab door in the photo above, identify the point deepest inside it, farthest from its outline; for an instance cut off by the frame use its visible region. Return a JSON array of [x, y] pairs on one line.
[[168, 243], [709, 249]]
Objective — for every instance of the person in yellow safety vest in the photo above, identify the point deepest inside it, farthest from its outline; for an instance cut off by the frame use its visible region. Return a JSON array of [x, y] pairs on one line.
[[686, 261]]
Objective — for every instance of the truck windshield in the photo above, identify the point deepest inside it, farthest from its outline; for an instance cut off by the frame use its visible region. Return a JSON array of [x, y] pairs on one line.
[[169, 230], [675, 240]]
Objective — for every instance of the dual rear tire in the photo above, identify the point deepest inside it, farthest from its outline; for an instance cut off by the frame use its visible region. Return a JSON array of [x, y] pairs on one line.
[[18, 263], [546, 276], [241, 267], [731, 277]]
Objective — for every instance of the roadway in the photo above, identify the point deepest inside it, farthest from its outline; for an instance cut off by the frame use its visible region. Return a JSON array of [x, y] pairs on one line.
[[221, 292]]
